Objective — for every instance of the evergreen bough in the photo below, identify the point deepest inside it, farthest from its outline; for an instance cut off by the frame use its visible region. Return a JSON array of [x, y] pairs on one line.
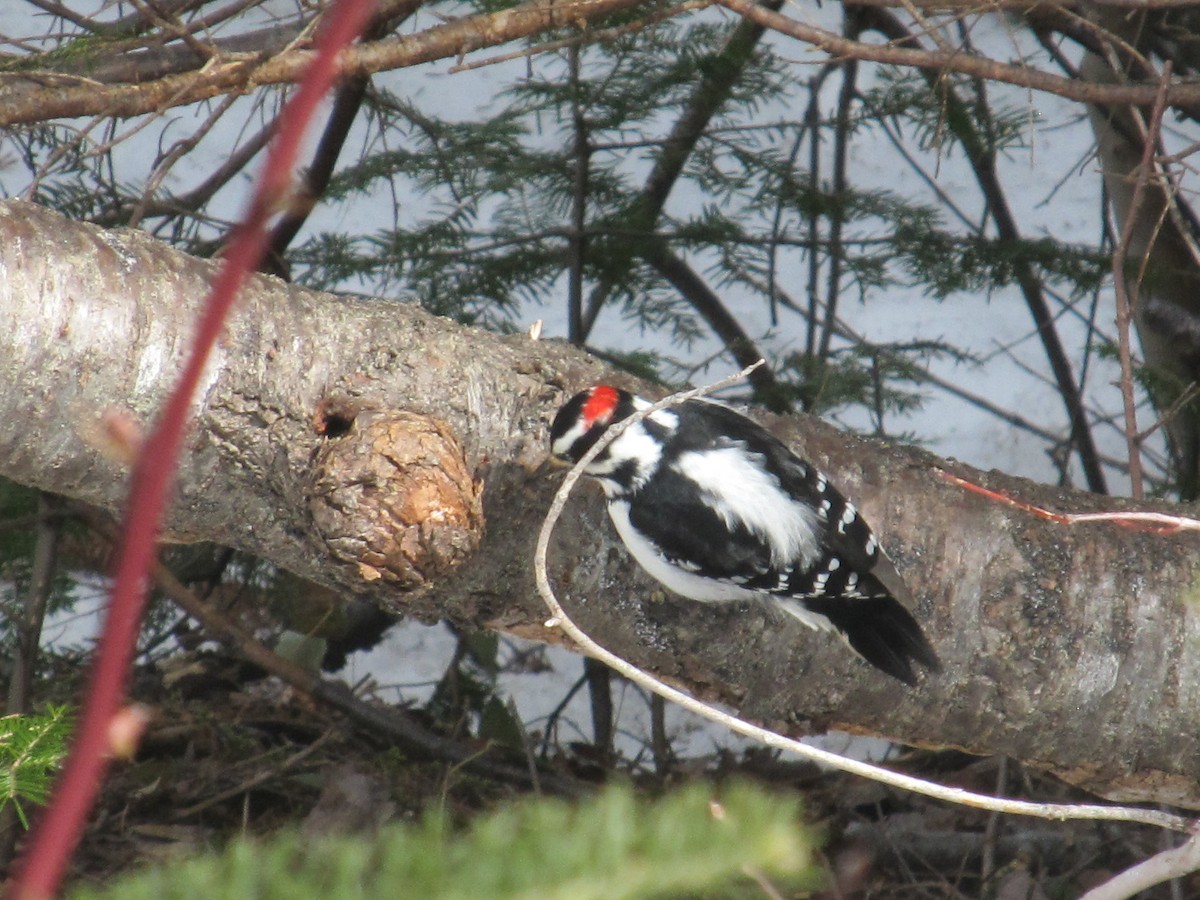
[[613, 845], [31, 750]]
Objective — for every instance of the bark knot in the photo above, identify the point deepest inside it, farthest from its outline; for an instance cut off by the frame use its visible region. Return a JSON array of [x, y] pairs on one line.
[[393, 496]]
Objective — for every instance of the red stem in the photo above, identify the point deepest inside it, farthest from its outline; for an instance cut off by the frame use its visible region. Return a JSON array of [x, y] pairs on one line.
[[40, 870]]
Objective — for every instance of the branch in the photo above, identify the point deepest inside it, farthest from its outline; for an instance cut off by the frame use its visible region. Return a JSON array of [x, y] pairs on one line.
[[48, 530], [1048, 634], [1179, 95], [1174, 863], [841, 151], [35, 98], [576, 238], [1126, 296], [675, 269]]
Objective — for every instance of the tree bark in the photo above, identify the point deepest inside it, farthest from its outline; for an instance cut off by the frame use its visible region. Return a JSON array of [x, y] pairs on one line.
[[1068, 647]]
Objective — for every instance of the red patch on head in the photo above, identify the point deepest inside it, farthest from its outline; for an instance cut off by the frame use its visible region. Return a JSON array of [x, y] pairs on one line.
[[601, 404]]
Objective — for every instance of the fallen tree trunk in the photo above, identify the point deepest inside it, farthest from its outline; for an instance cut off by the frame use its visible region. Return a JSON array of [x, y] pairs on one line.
[[1066, 647]]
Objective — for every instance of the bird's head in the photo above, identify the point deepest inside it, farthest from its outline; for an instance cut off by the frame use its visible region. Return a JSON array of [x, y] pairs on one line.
[[585, 417], [631, 458]]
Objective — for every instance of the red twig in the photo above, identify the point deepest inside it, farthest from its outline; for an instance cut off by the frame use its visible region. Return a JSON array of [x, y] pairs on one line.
[[1156, 523], [41, 868]]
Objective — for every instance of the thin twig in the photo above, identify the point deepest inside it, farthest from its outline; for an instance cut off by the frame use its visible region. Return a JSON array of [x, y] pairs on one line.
[[165, 163], [1127, 295], [808, 128], [717, 315], [927, 27], [393, 724], [48, 530], [264, 774], [577, 240], [1158, 523], [813, 234], [560, 619], [837, 217], [1189, 394], [987, 863]]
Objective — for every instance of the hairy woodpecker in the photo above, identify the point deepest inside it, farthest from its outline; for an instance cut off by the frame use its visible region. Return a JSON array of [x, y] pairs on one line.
[[717, 509]]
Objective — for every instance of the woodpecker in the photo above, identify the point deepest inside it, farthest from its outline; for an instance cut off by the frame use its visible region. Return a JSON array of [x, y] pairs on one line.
[[717, 509]]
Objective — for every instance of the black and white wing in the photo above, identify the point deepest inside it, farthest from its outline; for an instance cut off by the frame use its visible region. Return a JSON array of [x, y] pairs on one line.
[[792, 535]]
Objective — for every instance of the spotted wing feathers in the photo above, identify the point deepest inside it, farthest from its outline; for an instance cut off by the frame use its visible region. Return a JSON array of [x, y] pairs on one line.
[[727, 511]]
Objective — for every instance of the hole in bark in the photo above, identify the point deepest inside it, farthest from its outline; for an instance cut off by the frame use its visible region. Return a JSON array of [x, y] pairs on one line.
[[336, 426], [334, 418]]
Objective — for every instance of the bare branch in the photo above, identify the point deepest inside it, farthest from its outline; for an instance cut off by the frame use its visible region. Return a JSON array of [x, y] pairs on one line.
[[724, 324], [1179, 95], [1174, 863], [1126, 294], [37, 98]]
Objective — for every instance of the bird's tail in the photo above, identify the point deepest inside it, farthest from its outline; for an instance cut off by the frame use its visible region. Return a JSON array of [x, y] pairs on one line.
[[879, 629]]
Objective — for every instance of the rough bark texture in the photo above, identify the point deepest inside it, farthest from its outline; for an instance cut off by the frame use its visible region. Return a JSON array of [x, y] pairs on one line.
[[391, 494], [1071, 648]]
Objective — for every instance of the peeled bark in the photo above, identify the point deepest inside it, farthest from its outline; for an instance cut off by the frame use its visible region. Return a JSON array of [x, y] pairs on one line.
[[1068, 647]]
